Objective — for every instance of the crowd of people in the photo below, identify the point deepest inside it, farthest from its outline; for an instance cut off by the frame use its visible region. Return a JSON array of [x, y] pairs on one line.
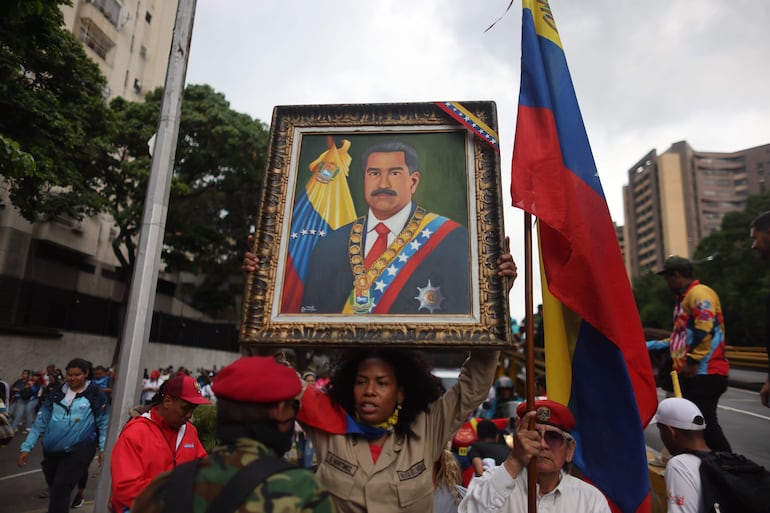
[[372, 429]]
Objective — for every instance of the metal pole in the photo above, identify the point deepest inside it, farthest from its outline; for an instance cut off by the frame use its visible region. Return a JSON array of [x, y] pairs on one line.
[[529, 353], [136, 326]]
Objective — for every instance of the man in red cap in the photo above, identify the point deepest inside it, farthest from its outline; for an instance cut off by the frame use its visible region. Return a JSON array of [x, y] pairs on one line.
[[504, 488], [151, 386], [156, 441], [256, 408]]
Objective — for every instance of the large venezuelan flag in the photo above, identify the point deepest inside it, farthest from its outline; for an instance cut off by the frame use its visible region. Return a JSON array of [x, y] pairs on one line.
[[596, 357], [324, 205]]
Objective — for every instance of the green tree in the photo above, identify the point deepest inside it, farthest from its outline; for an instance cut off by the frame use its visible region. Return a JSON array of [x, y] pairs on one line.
[[653, 300], [54, 119], [218, 170], [726, 262]]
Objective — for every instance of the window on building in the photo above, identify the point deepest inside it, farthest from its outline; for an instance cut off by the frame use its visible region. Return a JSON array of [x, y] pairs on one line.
[[110, 9], [94, 38], [148, 17], [143, 52]]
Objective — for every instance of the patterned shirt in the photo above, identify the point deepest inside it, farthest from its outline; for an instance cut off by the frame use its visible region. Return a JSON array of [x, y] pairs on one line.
[[698, 309]]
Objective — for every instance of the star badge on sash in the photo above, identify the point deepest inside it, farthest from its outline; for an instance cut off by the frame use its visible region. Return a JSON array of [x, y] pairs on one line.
[[430, 297]]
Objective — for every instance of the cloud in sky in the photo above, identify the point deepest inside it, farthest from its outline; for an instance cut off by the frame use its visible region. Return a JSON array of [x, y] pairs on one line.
[[647, 74]]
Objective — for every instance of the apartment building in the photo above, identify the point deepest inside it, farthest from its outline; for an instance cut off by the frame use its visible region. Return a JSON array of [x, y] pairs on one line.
[[129, 40], [676, 198]]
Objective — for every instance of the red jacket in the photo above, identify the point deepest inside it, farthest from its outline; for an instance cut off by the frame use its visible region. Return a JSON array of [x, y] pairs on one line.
[[146, 447]]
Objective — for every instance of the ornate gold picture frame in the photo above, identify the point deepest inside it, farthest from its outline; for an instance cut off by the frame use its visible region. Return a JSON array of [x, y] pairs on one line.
[[380, 224]]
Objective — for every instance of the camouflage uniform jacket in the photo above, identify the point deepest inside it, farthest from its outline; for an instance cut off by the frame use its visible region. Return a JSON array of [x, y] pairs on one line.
[[295, 490]]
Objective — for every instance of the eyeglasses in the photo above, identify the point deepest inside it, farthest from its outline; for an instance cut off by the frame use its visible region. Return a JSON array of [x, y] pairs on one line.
[[554, 439]]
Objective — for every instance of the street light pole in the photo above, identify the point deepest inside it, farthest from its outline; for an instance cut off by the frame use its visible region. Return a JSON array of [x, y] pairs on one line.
[[138, 318]]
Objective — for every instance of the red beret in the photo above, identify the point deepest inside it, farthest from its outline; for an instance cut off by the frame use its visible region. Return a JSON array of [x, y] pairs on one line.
[[257, 379], [550, 412]]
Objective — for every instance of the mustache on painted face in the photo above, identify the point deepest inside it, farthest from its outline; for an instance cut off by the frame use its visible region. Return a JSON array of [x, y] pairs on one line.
[[388, 192]]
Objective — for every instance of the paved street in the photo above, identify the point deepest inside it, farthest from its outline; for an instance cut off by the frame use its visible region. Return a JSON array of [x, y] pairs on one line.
[[20, 487]]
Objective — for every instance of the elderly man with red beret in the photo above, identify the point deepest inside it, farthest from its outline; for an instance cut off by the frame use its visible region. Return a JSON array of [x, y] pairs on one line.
[[504, 488], [256, 410]]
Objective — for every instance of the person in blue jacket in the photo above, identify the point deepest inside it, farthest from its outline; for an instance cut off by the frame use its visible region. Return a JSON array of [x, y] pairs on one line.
[[73, 423]]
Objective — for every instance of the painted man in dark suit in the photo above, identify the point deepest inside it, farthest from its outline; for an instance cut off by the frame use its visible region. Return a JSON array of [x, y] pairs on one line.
[[424, 268]]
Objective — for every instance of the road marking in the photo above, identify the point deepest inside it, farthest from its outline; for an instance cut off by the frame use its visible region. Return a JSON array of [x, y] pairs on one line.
[[663, 395], [744, 411], [19, 475], [744, 391]]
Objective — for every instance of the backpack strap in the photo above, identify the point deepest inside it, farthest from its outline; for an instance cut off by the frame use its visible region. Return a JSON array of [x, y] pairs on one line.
[[179, 488], [707, 490], [243, 483]]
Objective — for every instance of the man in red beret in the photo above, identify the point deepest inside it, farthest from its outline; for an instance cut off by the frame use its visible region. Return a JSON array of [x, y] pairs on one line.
[[504, 488], [256, 409], [156, 441]]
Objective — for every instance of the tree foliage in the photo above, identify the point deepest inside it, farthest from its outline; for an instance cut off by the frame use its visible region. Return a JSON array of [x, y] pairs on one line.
[[724, 261], [653, 300], [54, 122], [218, 170]]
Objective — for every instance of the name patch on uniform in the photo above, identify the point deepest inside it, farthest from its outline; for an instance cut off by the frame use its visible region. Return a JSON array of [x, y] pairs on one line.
[[412, 472], [340, 464]]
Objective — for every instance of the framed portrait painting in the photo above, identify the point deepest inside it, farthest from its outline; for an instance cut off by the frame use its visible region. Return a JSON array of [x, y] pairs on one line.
[[380, 223]]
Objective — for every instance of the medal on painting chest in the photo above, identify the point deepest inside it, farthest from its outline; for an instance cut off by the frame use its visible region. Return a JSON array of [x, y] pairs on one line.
[[361, 300]]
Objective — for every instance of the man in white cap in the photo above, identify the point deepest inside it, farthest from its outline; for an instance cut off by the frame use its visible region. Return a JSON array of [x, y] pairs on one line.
[[681, 425]]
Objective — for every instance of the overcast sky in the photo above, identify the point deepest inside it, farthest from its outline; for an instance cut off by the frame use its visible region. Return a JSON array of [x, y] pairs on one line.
[[646, 74]]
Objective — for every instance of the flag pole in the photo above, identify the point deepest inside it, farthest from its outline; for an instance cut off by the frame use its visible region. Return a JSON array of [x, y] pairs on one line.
[[529, 355]]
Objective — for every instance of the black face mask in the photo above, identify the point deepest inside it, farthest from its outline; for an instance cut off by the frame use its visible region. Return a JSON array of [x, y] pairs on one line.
[[265, 431], [283, 440]]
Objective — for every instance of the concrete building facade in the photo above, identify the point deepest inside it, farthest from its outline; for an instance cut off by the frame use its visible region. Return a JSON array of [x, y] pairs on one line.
[[675, 199], [129, 40]]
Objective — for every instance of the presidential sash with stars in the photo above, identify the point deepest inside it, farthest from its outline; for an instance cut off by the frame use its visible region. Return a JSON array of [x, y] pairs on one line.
[[375, 289]]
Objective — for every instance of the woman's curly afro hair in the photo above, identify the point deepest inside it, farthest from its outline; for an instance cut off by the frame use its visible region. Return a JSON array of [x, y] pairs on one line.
[[413, 374]]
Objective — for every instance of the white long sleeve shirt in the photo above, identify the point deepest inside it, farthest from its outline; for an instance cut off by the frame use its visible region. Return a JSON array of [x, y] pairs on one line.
[[497, 491]]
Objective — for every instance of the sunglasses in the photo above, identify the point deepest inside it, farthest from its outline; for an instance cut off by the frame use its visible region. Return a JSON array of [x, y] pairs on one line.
[[554, 439]]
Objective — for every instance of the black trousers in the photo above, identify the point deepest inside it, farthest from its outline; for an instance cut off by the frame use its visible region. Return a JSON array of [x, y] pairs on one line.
[[62, 472], [705, 391]]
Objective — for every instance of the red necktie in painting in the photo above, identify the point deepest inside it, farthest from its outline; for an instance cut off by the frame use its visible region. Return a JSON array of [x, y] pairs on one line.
[[379, 245]]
